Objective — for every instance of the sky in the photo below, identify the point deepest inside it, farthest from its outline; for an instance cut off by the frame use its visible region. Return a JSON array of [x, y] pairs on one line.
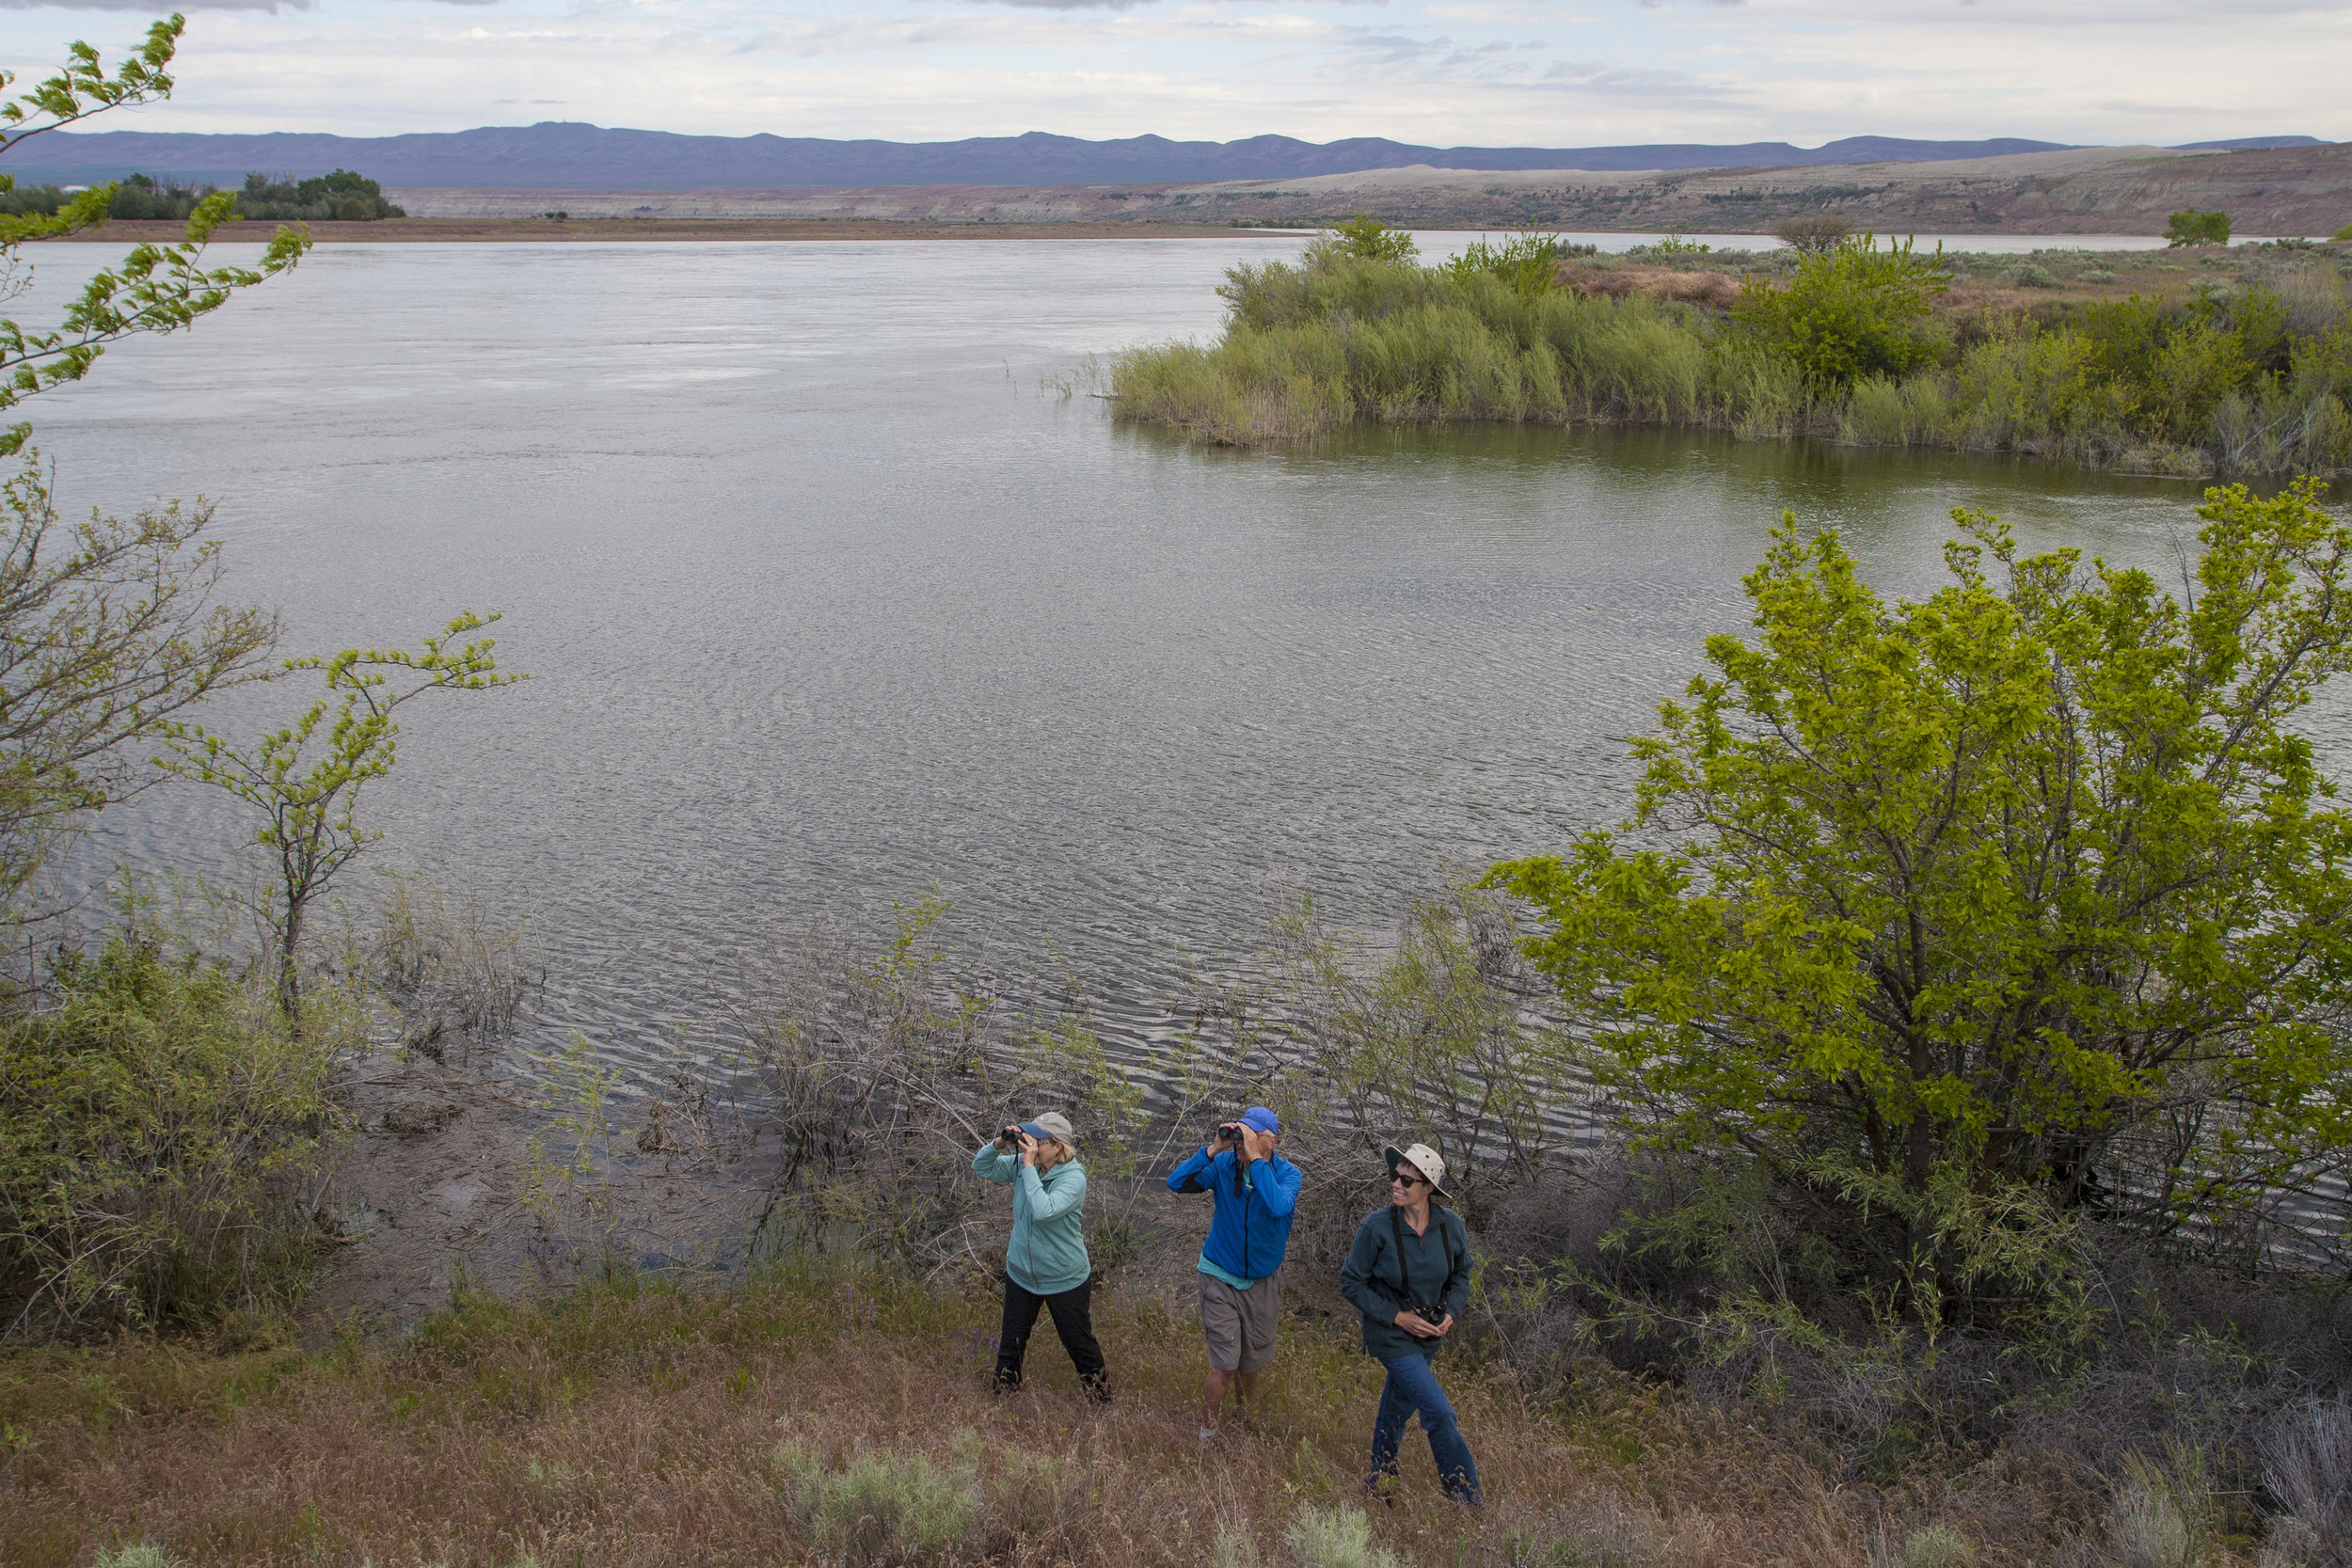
[[1447, 73]]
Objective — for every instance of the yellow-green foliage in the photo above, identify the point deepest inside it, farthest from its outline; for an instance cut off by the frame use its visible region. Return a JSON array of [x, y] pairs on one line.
[[152, 1128], [1849, 312]]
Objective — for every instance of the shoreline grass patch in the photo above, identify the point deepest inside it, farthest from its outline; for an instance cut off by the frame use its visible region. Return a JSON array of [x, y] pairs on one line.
[[1853, 341]]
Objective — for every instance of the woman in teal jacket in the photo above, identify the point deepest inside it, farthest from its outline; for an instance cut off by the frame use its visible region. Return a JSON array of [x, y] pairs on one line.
[[1408, 1274], [1046, 1263]]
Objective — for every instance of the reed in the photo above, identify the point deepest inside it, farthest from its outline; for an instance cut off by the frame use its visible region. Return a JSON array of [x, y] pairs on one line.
[[2261, 382]]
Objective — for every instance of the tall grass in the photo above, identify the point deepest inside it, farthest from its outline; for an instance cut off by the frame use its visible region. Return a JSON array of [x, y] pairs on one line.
[[2259, 384]]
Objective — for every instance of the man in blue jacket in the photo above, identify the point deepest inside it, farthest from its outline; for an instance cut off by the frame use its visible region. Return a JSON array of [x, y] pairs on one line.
[[1256, 1192]]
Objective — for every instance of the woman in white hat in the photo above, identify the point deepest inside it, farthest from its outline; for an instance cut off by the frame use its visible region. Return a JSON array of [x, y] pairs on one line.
[[1045, 1263], [1408, 1274]]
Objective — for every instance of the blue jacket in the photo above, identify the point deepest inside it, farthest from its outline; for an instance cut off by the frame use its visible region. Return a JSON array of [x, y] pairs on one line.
[[1250, 1229], [1048, 1251]]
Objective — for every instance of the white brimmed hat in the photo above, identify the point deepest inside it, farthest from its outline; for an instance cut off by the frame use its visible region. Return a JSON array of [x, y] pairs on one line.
[[1422, 1158]]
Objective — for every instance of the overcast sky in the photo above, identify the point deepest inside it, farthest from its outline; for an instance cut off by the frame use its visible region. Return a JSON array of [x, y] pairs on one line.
[[1477, 73]]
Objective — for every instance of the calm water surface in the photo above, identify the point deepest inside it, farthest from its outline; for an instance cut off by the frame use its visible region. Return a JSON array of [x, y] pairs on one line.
[[826, 599]]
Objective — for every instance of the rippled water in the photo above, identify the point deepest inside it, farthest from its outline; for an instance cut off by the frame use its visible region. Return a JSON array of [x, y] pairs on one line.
[[827, 599]]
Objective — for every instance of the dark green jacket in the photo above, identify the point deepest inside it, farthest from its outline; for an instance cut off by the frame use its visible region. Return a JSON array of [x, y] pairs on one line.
[[1435, 1272]]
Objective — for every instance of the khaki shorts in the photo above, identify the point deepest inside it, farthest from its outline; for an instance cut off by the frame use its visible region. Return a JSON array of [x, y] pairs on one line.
[[1240, 1324]]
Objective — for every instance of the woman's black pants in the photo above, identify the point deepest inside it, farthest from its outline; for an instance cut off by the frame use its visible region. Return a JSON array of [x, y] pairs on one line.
[[1073, 1319]]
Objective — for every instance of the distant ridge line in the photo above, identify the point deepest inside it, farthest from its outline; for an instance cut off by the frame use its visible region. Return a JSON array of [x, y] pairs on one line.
[[567, 155]]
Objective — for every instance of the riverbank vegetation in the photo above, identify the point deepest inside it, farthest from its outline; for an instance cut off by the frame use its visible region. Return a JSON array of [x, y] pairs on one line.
[[169, 1109], [2243, 366]]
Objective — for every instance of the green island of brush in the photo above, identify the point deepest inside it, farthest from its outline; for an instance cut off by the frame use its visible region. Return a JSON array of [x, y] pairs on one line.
[[2185, 362]]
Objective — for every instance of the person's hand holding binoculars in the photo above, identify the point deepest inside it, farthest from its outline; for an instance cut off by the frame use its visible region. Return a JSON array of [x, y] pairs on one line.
[[1240, 1136]]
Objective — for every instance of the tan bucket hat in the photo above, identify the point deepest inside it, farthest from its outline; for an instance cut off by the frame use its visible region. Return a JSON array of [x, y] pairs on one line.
[[1053, 1124], [1424, 1159]]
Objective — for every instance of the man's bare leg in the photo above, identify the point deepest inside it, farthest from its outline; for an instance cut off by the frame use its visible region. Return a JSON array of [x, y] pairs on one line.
[[1212, 1387], [1213, 1397]]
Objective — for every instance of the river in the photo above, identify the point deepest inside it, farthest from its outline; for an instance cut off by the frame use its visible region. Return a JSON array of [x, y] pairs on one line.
[[829, 594]]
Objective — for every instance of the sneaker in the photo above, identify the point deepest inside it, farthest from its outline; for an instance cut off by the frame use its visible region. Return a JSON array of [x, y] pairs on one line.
[[1208, 1434]]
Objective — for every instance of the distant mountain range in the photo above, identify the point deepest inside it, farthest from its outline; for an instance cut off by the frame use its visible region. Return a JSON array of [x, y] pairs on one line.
[[565, 155]]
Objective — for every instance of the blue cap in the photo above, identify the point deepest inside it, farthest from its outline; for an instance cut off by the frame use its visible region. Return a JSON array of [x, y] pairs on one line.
[[1259, 1119], [1034, 1131]]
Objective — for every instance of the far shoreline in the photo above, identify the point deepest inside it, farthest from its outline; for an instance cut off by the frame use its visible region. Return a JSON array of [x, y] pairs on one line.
[[602, 230], [463, 231]]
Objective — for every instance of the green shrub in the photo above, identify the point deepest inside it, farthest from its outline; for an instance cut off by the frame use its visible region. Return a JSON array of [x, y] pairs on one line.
[[2196, 228], [133, 1557], [2095, 275], [157, 1125], [1934, 1546], [1847, 312], [881, 1507], [1529, 263], [2342, 233], [2032, 274], [1338, 1537], [1365, 239]]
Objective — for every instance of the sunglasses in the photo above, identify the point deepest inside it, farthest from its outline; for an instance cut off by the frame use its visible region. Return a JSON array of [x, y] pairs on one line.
[[1409, 1180]]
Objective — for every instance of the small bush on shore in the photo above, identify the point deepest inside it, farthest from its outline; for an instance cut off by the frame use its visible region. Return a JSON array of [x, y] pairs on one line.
[[160, 1126]]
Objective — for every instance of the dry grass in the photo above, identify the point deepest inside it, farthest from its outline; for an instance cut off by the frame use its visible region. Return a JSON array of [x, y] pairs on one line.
[[821, 1415]]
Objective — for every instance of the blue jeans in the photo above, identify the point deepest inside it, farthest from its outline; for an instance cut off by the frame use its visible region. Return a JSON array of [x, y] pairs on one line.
[[1412, 1385]]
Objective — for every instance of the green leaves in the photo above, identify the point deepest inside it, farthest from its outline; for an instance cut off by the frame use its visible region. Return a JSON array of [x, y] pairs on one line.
[[83, 88], [305, 779], [155, 288], [2026, 886], [2195, 228], [1849, 311], [152, 289]]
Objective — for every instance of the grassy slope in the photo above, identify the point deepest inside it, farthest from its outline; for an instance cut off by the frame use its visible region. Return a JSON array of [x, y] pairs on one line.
[[641, 1424]]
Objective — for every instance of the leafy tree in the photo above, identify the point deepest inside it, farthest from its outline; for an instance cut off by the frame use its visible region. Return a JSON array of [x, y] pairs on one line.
[[1811, 231], [306, 784], [107, 627], [1849, 311], [142, 196], [1363, 238], [343, 196], [153, 288], [1529, 262], [1952, 917], [2195, 228]]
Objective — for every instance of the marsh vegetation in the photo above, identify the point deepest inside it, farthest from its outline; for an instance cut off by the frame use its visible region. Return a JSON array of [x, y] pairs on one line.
[[2246, 369]]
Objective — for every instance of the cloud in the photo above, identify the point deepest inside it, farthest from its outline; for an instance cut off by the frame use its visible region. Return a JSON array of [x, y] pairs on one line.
[[1447, 73]]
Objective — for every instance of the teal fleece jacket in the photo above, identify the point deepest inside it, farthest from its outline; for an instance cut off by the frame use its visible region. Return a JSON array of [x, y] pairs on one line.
[[1048, 1251], [1435, 1270]]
